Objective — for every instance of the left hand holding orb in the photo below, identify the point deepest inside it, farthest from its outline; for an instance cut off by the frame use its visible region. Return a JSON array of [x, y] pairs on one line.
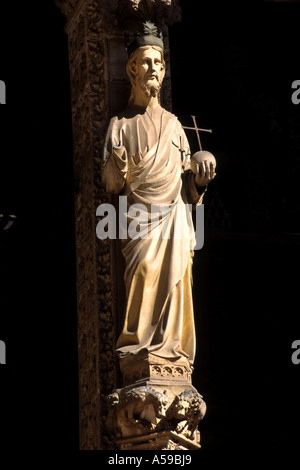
[[203, 165]]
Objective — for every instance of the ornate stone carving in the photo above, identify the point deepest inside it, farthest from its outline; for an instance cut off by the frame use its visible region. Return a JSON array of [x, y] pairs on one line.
[[95, 288], [185, 413], [128, 10], [131, 12], [151, 413], [147, 367], [137, 411]]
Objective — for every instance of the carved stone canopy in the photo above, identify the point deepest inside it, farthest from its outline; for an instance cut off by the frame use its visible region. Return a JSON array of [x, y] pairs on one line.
[[131, 12], [160, 12]]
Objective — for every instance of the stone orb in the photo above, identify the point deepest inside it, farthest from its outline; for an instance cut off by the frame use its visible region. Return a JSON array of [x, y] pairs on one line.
[[202, 156]]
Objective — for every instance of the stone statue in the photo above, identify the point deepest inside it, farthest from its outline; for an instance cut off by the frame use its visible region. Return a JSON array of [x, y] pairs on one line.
[[147, 159]]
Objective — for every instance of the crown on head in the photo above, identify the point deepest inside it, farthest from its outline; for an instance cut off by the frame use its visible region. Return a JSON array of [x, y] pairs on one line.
[[147, 35]]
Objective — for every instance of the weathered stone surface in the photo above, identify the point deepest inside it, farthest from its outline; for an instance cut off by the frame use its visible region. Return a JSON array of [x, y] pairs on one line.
[[132, 12], [147, 367], [154, 412], [86, 36], [99, 89], [167, 440]]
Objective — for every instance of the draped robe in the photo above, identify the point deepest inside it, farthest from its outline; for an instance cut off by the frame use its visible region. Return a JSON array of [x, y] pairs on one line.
[[147, 159]]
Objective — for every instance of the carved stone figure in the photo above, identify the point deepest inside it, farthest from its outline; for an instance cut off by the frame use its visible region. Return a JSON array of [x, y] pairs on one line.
[[144, 411], [147, 159], [137, 411], [187, 409]]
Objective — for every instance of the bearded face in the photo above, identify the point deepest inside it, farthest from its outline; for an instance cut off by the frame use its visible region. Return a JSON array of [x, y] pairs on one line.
[[150, 83], [147, 70], [149, 86]]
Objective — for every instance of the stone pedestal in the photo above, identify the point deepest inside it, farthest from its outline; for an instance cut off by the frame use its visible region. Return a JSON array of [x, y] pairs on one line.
[[144, 369], [158, 407]]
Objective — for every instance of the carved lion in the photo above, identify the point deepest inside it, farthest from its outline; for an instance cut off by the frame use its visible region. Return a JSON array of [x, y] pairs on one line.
[[185, 412], [138, 410]]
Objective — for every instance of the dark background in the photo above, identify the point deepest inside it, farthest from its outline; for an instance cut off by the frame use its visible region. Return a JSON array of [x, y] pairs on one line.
[[232, 66]]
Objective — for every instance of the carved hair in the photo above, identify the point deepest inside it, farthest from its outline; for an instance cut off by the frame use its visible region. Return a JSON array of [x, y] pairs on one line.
[[131, 66]]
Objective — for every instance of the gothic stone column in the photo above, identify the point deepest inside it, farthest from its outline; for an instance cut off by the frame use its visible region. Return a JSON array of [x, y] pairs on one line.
[[99, 90], [86, 32]]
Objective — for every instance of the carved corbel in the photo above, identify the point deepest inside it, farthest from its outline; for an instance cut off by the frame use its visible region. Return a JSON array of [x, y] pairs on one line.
[[143, 414]]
